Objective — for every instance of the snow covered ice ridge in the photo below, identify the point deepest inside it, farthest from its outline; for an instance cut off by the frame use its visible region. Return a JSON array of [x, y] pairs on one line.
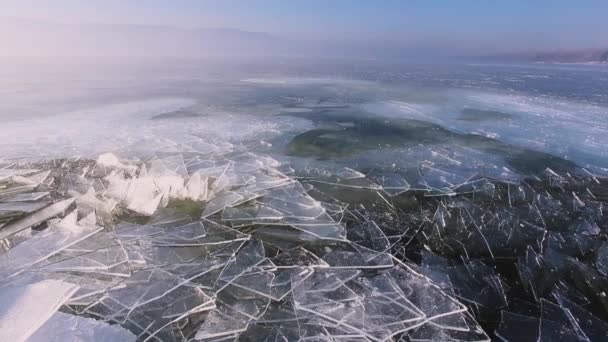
[[227, 246], [183, 248]]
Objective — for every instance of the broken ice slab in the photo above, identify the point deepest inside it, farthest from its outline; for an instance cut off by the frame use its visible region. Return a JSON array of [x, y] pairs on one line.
[[560, 320], [143, 290], [251, 255], [588, 281], [437, 181], [462, 324], [12, 209], [556, 324], [43, 245], [221, 201], [128, 232], [267, 182], [285, 280], [101, 254], [297, 208], [157, 320], [569, 244], [169, 218], [369, 235], [35, 218], [321, 228], [286, 237], [144, 194], [375, 307], [34, 180], [88, 203], [289, 201], [601, 261], [537, 277], [196, 234], [298, 257], [194, 231], [271, 211], [27, 303], [211, 169], [69, 328], [487, 233], [258, 332], [111, 161], [8, 173], [319, 329], [472, 281], [250, 214], [222, 322], [197, 187], [145, 205], [431, 332], [15, 239], [169, 187], [351, 255], [92, 286], [241, 302], [479, 187], [184, 261], [515, 327], [392, 184], [167, 166], [17, 185], [352, 183], [582, 321], [192, 299], [585, 227], [348, 173], [259, 281], [281, 312], [424, 294], [15, 189], [329, 279], [27, 197], [222, 179]]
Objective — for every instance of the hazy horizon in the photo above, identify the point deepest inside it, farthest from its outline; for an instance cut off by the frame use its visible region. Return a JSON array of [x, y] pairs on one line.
[[300, 28]]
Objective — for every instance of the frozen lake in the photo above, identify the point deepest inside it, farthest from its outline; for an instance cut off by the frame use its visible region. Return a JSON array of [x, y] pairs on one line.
[[291, 199]]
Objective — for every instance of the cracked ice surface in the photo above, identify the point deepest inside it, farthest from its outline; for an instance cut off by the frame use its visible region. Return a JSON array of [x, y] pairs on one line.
[[176, 249], [235, 246], [201, 240]]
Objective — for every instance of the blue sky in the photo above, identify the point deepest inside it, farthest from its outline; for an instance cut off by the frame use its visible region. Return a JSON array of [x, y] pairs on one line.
[[518, 23]]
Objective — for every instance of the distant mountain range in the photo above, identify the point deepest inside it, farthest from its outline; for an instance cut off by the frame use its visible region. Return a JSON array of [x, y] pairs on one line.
[[22, 37], [579, 56], [574, 56], [34, 38]]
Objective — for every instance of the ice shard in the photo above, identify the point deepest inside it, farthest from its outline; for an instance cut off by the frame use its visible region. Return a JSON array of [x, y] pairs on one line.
[[35, 218], [70, 328], [28, 303]]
